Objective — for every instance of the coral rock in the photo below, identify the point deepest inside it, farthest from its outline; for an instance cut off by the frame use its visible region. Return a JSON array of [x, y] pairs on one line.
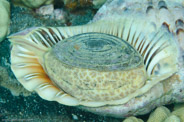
[[172, 118], [132, 119], [45, 10], [179, 113], [159, 115], [4, 18], [32, 3]]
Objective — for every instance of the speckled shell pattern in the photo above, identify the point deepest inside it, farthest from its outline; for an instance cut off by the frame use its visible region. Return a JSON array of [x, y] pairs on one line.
[[92, 66]]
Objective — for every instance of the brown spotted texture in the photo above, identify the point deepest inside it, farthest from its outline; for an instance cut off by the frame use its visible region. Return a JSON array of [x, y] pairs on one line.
[[87, 84]]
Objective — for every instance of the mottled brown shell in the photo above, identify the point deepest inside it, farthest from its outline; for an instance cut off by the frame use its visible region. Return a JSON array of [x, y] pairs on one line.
[[60, 66], [95, 67]]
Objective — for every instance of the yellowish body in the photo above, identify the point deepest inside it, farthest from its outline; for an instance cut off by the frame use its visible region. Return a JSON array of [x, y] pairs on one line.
[[93, 85]]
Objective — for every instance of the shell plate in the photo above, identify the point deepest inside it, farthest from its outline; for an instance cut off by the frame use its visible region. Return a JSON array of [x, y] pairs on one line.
[[97, 51]]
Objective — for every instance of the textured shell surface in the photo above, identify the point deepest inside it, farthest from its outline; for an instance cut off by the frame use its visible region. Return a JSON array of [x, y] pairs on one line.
[[97, 51], [121, 63], [82, 64]]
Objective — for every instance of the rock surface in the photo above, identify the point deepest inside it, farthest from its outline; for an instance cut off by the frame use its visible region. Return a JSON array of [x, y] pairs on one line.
[[162, 114]]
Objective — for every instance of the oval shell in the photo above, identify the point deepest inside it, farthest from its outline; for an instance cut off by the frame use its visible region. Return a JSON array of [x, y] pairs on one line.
[[95, 67]]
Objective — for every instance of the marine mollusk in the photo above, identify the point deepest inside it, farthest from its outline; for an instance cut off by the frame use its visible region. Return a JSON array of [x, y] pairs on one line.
[[108, 62]]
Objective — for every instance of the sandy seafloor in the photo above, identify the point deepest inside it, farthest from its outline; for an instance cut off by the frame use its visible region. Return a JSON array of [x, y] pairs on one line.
[[32, 108]]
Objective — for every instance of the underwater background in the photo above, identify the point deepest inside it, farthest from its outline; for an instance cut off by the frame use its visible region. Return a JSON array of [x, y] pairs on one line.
[[18, 104]]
